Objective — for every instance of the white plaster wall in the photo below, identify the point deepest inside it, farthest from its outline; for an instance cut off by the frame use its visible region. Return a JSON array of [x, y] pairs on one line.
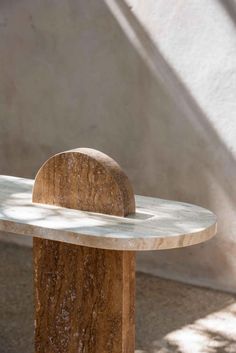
[[151, 83]]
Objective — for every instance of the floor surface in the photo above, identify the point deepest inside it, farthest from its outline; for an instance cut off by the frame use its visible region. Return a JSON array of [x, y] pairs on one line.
[[171, 317]]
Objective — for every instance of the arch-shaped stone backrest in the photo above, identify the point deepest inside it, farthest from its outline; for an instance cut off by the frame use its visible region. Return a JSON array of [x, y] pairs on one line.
[[84, 179]]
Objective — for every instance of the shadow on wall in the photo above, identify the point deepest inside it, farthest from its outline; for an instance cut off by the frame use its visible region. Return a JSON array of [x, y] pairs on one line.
[[195, 133], [230, 8], [88, 74], [182, 155]]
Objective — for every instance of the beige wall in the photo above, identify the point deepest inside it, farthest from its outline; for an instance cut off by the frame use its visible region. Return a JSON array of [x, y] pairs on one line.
[[151, 84]]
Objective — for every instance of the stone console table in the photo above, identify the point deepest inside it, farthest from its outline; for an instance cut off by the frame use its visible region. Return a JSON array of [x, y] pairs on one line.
[[87, 225]]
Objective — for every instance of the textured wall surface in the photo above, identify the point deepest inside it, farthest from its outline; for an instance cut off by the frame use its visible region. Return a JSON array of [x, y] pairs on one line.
[[151, 83]]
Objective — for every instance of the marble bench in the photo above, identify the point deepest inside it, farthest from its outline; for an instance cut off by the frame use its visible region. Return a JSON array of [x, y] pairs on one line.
[[87, 225]]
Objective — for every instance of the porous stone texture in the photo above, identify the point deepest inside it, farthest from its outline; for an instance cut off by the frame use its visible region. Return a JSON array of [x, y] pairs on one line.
[[171, 317], [84, 179], [150, 83]]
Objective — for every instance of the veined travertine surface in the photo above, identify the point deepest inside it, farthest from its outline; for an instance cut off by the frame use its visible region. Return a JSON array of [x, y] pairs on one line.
[[157, 224]]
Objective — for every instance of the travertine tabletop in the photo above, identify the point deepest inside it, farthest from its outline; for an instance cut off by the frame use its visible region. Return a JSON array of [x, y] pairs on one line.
[[157, 224]]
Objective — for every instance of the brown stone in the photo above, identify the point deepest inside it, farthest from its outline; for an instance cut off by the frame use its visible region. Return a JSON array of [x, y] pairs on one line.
[[84, 297], [84, 179]]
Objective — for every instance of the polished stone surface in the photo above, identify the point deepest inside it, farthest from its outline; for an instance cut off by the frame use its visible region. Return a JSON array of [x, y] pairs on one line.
[[157, 224]]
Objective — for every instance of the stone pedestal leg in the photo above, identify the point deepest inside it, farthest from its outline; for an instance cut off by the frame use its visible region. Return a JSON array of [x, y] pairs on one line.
[[84, 299]]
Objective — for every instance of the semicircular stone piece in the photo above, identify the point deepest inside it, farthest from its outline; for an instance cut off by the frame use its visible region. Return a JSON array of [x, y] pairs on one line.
[[84, 179]]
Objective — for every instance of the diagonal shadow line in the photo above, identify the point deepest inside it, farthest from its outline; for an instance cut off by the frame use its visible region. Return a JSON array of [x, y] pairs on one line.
[[174, 86], [230, 8]]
